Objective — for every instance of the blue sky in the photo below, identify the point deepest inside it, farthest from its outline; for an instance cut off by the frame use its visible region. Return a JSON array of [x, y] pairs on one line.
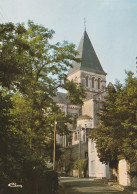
[[111, 26]]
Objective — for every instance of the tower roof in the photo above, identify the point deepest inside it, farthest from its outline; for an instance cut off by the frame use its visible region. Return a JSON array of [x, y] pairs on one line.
[[89, 59]]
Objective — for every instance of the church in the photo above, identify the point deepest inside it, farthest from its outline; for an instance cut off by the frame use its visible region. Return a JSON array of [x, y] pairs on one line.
[[90, 73]]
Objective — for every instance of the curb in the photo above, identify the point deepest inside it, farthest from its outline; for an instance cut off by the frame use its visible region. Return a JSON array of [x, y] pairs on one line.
[[128, 190]]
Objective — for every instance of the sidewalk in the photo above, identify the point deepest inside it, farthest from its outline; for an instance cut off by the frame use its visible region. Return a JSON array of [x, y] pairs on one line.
[[127, 189], [116, 185]]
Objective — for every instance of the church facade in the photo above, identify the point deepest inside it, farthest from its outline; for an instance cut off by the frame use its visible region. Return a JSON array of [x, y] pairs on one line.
[[91, 74]]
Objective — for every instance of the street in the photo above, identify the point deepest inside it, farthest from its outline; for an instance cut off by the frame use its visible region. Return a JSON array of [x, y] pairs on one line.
[[84, 185]]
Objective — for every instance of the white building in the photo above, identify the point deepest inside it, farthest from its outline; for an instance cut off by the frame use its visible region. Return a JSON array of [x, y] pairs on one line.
[[91, 74]]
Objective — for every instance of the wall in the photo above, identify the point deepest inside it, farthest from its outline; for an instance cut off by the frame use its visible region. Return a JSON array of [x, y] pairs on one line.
[[87, 108], [84, 122], [124, 178], [96, 168], [75, 151], [67, 109], [80, 77]]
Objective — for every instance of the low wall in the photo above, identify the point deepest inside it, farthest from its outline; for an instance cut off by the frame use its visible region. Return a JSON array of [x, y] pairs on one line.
[[124, 178]]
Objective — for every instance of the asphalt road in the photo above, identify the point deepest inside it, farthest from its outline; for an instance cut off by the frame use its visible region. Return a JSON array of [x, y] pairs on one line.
[[76, 186]]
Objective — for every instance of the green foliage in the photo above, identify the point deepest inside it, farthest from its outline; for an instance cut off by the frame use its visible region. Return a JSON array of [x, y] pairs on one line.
[[72, 88], [116, 137], [107, 136], [46, 182], [81, 164], [66, 160], [31, 71]]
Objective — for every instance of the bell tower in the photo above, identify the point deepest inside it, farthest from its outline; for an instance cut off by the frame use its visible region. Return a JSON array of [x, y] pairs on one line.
[[89, 71]]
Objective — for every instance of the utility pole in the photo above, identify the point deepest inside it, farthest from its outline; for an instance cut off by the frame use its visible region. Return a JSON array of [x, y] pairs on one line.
[[54, 146], [79, 150], [85, 133]]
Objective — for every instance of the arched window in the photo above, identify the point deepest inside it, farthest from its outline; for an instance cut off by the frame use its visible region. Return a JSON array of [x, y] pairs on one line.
[[87, 81], [99, 81], [78, 136], [93, 82]]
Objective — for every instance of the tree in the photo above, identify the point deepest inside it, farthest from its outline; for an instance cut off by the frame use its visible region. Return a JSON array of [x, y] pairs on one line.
[[31, 71], [127, 106], [29, 59], [117, 132], [66, 161], [108, 134]]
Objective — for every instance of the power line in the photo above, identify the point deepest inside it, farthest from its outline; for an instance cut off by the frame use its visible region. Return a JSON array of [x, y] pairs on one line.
[[2, 18], [3, 15]]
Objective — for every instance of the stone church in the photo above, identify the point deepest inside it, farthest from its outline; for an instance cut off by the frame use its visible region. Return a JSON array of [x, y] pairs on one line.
[[91, 74]]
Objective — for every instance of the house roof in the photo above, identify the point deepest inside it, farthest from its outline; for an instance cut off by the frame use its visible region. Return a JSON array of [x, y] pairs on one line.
[[89, 59], [61, 98]]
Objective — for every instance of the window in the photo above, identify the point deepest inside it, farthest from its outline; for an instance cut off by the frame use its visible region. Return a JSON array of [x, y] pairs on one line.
[[87, 81], [86, 154], [83, 136], [93, 82], [78, 136], [83, 82], [99, 81]]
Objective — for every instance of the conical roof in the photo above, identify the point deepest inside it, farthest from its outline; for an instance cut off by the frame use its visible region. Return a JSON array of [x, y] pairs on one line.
[[89, 59]]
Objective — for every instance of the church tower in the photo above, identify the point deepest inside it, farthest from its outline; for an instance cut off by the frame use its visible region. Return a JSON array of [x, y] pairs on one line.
[[89, 71]]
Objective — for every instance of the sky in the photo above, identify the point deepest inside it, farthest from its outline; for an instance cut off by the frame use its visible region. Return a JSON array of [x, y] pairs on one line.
[[111, 26]]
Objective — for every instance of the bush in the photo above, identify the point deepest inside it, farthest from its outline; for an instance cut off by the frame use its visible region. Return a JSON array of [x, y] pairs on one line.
[[46, 183], [82, 164]]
